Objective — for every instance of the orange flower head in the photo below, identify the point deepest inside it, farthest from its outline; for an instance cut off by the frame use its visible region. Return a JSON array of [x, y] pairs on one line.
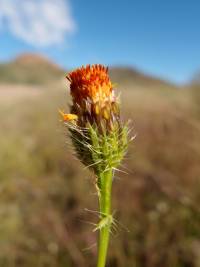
[[90, 83], [94, 122], [93, 99]]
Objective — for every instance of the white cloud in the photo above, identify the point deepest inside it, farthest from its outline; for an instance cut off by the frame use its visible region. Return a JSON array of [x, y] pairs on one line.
[[37, 22]]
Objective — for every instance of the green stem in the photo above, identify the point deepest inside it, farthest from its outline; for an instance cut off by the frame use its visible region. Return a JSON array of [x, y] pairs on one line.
[[105, 184]]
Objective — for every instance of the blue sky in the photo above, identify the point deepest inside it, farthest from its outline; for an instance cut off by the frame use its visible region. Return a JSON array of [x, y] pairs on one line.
[[158, 37]]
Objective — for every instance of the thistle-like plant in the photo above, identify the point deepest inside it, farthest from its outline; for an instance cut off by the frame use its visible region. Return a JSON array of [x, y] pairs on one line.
[[99, 137]]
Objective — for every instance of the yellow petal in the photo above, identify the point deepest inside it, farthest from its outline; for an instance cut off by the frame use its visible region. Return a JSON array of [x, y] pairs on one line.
[[68, 117]]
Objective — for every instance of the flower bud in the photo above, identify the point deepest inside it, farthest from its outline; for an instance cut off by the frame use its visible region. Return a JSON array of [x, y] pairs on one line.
[[98, 135]]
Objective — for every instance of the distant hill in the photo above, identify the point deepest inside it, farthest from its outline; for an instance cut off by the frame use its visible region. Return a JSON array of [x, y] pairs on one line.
[[128, 76], [195, 81], [36, 69], [30, 69]]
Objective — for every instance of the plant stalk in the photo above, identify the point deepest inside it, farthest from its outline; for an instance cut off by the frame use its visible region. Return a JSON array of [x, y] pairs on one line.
[[105, 186]]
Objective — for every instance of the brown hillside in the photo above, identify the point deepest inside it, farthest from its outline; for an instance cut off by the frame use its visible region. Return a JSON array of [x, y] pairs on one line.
[[37, 69], [30, 69]]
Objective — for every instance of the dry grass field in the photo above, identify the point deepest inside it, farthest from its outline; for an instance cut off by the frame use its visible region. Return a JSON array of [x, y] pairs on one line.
[[45, 190], [11, 94]]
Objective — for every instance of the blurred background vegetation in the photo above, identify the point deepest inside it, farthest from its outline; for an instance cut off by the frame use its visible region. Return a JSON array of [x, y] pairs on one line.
[[45, 191]]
